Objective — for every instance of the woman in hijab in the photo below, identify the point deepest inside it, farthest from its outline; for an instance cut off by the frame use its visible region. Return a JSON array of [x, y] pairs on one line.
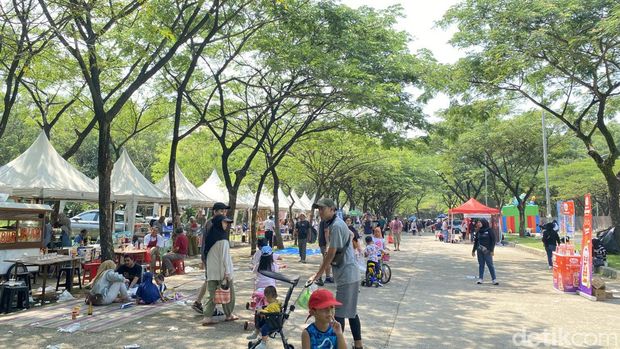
[[484, 244], [65, 227], [109, 284], [148, 292], [219, 268]]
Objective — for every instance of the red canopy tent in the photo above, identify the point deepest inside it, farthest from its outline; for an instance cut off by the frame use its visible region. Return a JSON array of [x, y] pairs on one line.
[[472, 208]]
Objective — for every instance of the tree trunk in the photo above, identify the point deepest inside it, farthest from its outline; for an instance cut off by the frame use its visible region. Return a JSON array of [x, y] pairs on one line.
[[104, 170], [276, 208], [253, 225], [613, 186], [174, 206], [521, 208]]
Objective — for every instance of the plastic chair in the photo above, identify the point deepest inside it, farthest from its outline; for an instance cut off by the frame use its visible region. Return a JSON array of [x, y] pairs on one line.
[[90, 270], [68, 271], [179, 266], [13, 298]]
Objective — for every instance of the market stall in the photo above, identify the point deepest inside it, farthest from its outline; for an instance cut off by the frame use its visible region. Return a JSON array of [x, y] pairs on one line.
[[21, 231], [474, 209]]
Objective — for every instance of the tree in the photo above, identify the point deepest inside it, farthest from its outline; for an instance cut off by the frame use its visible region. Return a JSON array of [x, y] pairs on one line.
[[119, 46], [510, 151], [563, 56], [23, 35]]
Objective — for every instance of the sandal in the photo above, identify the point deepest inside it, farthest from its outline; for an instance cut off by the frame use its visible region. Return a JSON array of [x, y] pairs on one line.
[[232, 318]]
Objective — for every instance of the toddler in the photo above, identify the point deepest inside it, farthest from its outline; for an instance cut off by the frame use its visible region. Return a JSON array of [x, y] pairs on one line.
[[325, 332], [273, 307]]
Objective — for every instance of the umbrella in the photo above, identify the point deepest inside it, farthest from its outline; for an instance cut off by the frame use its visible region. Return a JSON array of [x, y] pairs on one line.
[[355, 213], [442, 216], [412, 218]]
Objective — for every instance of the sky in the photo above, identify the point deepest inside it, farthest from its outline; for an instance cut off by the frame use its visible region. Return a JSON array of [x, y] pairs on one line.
[[420, 24]]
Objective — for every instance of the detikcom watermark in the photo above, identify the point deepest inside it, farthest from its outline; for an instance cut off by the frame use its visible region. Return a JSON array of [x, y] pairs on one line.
[[565, 338]]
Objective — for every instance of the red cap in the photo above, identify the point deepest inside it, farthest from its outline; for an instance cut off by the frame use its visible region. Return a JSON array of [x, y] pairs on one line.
[[321, 299]]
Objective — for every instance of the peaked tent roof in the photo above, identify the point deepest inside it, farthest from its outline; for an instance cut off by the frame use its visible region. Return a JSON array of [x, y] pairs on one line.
[[473, 206], [298, 205], [187, 193], [306, 201], [283, 200], [214, 189], [128, 184], [40, 172]]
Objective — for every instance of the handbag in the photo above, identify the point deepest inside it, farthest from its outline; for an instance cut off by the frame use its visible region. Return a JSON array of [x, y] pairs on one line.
[[222, 293], [339, 257]]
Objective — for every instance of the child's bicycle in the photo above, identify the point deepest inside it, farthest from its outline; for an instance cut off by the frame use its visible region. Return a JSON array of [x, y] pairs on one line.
[[257, 302], [277, 321], [378, 273]]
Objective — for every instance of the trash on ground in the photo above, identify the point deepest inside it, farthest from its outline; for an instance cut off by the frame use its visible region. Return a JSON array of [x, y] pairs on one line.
[[53, 346], [173, 329], [69, 329], [131, 346], [65, 296]]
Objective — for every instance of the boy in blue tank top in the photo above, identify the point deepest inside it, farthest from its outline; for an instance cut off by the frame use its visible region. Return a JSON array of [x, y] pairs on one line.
[[325, 332]]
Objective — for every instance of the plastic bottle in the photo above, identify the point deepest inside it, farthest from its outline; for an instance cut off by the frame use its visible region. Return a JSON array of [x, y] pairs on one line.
[[90, 308]]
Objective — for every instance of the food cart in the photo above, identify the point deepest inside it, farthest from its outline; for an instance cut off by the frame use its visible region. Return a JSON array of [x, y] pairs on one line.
[[21, 231]]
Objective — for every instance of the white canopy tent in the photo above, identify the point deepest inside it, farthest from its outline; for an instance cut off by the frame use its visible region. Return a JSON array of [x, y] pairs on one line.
[[298, 205], [214, 189], [283, 201], [187, 193], [307, 203], [130, 186], [40, 172]]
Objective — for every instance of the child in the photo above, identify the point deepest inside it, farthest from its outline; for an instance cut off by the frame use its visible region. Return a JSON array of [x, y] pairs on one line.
[[372, 254], [273, 307], [147, 292], [266, 262], [325, 332], [379, 240], [161, 286], [260, 243]]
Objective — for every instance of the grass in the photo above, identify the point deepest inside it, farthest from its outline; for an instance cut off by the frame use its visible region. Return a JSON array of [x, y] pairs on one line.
[[613, 260], [525, 241]]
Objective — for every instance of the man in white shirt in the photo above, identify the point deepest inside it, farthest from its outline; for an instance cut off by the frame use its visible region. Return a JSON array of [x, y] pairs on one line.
[[270, 226]]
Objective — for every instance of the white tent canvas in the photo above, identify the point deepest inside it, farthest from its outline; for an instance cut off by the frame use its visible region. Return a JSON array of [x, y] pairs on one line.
[[187, 193], [298, 205], [214, 189], [306, 201], [40, 172], [283, 201], [128, 184]]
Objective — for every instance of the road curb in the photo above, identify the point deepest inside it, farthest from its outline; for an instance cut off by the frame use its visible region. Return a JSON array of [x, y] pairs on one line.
[[531, 250], [604, 271]]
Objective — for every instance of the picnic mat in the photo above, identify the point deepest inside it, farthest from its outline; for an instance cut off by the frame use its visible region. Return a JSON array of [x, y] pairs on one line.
[[103, 318]]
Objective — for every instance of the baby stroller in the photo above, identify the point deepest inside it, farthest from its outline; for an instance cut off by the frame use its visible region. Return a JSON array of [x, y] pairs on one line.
[[277, 321]]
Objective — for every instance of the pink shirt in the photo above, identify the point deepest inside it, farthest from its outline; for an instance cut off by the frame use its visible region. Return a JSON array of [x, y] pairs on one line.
[[396, 226]]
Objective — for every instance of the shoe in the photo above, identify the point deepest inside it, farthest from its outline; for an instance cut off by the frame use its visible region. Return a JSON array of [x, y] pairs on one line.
[[304, 261], [319, 282], [197, 306], [479, 282], [261, 345], [550, 267], [495, 282], [252, 336], [216, 312], [329, 280]]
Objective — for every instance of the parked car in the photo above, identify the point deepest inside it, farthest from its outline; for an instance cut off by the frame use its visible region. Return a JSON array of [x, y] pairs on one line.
[[89, 220]]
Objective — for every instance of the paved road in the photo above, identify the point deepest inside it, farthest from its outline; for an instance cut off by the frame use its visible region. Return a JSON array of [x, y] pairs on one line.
[[431, 302]]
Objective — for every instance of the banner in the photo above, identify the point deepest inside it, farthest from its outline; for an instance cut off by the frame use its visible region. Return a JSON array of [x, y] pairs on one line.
[[566, 217], [585, 285]]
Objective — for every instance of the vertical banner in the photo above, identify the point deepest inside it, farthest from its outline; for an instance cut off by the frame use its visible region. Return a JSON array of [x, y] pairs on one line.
[[585, 286], [567, 223]]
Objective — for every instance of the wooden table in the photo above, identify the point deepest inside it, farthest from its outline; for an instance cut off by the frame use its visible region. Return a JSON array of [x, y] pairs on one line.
[[39, 261], [135, 253]]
